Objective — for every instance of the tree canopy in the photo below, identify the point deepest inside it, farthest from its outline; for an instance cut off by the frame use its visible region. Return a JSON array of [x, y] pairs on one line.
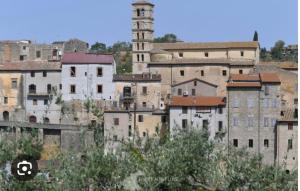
[[167, 38]]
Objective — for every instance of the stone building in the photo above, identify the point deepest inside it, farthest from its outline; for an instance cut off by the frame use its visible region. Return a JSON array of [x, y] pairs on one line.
[[287, 139], [42, 87], [143, 90], [200, 113], [254, 106], [87, 76]]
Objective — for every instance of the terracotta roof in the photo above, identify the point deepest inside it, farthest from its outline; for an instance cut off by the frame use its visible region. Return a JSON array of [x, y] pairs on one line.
[[244, 77], [142, 2], [194, 79], [269, 78], [204, 61], [30, 66], [197, 101], [87, 58], [243, 85], [205, 45], [289, 115], [137, 77]]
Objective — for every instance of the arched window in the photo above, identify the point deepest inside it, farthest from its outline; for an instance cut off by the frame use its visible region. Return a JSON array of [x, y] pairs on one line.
[[138, 25], [32, 89], [143, 35], [143, 12], [143, 58], [143, 46], [138, 57], [138, 46], [32, 119], [138, 36], [138, 12], [6, 116], [46, 120]]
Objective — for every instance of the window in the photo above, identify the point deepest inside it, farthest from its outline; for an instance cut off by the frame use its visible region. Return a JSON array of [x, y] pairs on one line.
[[138, 36], [193, 92], [32, 89], [116, 121], [179, 92], [195, 83], [184, 110], [205, 124], [45, 102], [180, 54], [202, 72], [24, 47], [184, 123], [240, 71], [60, 86], [49, 88], [242, 53], [143, 58], [235, 143], [220, 110], [34, 102], [138, 25], [144, 134], [296, 101], [143, 46], [250, 122], [73, 71], [5, 100], [250, 143], [72, 89], [138, 57], [115, 137], [99, 72], [141, 118], [181, 72], [138, 12], [44, 74], [236, 102], [32, 74], [267, 90], [143, 35], [14, 83], [129, 131], [235, 121], [224, 73], [290, 144], [22, 57], [220, 125], [206, 54], [144, 104], [266, 143], [143, 12], [138, 46], [250, 102], [38, 54], [290, 126], [266, 122], [99, 89], [145, 90]]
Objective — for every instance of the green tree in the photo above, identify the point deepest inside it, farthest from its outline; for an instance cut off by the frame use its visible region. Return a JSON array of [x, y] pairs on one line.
[[277, 50], [99, 47], [255, 37], [167, 38]]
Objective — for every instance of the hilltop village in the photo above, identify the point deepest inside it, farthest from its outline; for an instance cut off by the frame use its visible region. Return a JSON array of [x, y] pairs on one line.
[[221, 87]]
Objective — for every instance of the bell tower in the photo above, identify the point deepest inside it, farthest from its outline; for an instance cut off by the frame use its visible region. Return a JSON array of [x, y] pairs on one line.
[[142, 35]]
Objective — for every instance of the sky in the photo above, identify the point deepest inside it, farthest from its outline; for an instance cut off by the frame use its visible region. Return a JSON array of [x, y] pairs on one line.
[[109, 21]]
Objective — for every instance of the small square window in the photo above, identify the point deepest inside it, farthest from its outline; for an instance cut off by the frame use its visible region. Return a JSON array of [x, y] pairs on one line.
[[38, 54], [195, 83], [44, 74], [116, 121], [144, 104], [144, 134], [163, 119], [14, 83], [141, 118], [224, 73], [266, 143], [206, 54], [235, 143], [72, 89], [34, 102], [5, 100], [184, 110], [115, 137], [99, 89], [240, 71], [290, 126], [250, 143], [99, 72], [184, 124], [180, 54], [32, 74], [145, 90], [181, 72], [45, 102]]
